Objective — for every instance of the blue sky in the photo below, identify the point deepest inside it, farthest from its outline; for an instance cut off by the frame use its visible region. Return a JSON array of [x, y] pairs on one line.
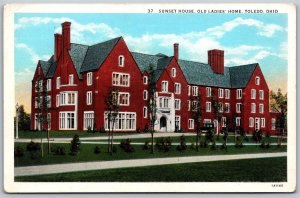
[[245, 38]]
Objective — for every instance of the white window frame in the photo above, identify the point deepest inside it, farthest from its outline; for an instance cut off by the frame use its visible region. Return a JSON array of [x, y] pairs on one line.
[[164, 86], [253, 108], [57, 100], [221, 107], [163, 102], [48, 98], [253, 94], [208, 91], [145, 80], [177, 88], [173, 71], [251, 122], [189, 90], [261, 108], [223, 121], [189, 105], [145, 95], [238, 107], [239, 94], [123, 119], [116, 81], [145, 112], [191, 124], [263, 122], [121, 61], [177, 104], [128, 100], [195, 90], [71, 79], [227, 93], [221, 93], [208, 106], [238, 121], [261, 94], [48, 84], [63, 120], [178, 119], [273, 124], [64, 98], [89, 79], [227, 107], [257, 80], [88, 118], [58, 83], [89, 97]]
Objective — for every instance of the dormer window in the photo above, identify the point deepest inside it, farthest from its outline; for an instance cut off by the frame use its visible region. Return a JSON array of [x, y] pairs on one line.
[[145, 80], [121, 61], [257, 80], [71, 79], [173, 72]]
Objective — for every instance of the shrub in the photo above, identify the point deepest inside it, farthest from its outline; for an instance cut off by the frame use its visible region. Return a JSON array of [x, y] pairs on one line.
[[138, 130], [182, 146], [97, 150], [146, 129], [257, 136], [19, 151], [60, 150], [224, 147], [213, 146], [34, 155], [126, 146], [146, 146], [75, 143], [164, 144], [264, 145], [32, 146], [193, 146], [203, 144]]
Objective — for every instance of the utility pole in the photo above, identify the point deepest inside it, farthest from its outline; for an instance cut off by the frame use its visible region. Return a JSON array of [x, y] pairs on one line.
[[17, 121]]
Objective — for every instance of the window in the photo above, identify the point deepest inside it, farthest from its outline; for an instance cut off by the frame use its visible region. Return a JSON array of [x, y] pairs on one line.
[[121, 79], [145, 95], [257, 80], [194, 105], [145, 112], [173, 72], [273, 124], [177, 122], [121, 61], [227, 93], [189, 105], [221, 107], [57, 82], [89, 78], [124, 98], [71, 79], [238, 121], [37, 121], [48, 101], [207, 121], [89, 98], [177, 88], [57, 100], [238, 107], [253, 94], [227, 107], [251, 122], [145, 80], [177, 104], [208, 92], [221, 93], [208, 106], [261, 108], [49, 85], [253, 107], [195, 91], [49, 120], [261, 94], [263, 123], [88, 120], [163, 102], [223, 121], [124, 121], [191, 124], [164, 86], [238, 94], [36, 102], [189, 90], [67, 98], [67, 120]]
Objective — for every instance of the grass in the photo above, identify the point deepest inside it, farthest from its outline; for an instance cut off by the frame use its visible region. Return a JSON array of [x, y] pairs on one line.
[[87, 153], [249, 170]]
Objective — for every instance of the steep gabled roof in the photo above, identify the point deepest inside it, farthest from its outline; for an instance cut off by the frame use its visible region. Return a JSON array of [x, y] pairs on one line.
[[78, 53], [240, 75], [96, 54]]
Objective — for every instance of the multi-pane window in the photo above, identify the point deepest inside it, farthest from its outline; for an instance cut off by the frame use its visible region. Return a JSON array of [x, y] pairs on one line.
[[89, 78], [227, 107], [263, 122], [124, 99], [57, 82], [177, 104], [124, 121], [89, 98], [238, 94], [145, 95], [49, 85], [121, 61], [163, 102], [177, 122], [273, 123], [191, 124], [238, 107], [208, 91], [257, 80], [227, 93], [238, 121], [208, 106], [145, 80], [189, 90], [221, 107], [253, 107], [195, 91], [145, 112], [221, 93], [261, 94], [177, 88], [121, 79], [173, 72], [71, 79], [67, 98], [164, 86], [223, 120], [88, 120], [261, 108], [253, 94], [67, 120], [251, 122], [57, 100]]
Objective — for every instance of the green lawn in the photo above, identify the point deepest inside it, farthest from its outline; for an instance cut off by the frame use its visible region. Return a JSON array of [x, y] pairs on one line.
[[249, 170], [87, 153]]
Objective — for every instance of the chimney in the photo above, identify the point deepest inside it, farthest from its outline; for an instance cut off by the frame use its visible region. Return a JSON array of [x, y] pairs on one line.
[[66, 35], [176, 54], [57, 46], [216, 60]]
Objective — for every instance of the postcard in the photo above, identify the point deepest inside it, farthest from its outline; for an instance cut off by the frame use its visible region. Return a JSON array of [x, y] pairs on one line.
[[149, 98]]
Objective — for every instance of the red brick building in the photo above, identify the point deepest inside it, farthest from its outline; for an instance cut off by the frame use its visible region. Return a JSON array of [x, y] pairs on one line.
[[78, 78]]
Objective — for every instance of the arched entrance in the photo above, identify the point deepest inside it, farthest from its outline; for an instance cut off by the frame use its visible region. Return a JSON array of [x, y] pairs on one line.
[[163, 123]]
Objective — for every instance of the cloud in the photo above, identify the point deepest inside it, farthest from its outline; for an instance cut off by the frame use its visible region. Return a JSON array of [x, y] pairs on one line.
[[33, 55]]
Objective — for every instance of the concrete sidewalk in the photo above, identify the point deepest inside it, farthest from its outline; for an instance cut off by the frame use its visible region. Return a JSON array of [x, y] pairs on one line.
[[87, 166]]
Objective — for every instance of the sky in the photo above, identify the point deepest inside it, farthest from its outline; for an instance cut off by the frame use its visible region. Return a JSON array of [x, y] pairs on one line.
[[245, 39]]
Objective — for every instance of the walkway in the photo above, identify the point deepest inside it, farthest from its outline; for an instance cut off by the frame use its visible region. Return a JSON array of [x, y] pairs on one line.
[[87, 166]]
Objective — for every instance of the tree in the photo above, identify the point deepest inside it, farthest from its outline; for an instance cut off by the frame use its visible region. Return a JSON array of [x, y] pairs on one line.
[[196, 115], [112, 108], [152, 108], [279, 103], [23, 119], [75, 143], [217, 109]]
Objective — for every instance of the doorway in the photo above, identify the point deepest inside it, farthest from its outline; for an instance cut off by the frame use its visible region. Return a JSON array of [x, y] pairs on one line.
[[163, 123]]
